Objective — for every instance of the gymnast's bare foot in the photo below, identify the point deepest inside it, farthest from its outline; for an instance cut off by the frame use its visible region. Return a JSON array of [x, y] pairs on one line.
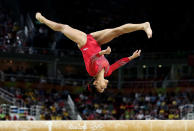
[[39, 17], [148, 29]]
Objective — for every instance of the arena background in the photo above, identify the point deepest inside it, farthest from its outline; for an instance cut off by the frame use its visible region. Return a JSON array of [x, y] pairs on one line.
[[43, 76]]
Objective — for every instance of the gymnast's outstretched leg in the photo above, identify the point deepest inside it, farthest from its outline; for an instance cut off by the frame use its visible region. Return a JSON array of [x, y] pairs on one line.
[[105, 36], [75, 35]]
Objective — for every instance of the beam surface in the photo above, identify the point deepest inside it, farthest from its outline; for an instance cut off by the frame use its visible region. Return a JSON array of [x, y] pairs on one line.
[[99, 125]]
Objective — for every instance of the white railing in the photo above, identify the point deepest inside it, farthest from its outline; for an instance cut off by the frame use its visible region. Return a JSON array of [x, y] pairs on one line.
[[21, 112], [187, 112], [35, 111], [7, 96]]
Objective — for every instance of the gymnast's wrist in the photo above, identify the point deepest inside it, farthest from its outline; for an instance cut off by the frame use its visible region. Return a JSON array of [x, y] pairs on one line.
[[131, 58]]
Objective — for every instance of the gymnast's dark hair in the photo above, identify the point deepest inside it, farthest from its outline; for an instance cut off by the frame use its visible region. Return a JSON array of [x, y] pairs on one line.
[[90, 87]]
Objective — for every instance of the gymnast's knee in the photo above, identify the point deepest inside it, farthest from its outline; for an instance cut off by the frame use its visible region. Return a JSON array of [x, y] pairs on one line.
[[61, 27]]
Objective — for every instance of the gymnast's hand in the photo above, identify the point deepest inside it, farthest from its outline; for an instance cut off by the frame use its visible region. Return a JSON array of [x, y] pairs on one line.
[[106, 51], [135, 54]]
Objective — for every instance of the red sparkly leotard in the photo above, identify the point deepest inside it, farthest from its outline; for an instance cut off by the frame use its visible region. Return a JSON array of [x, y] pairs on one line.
[[95, 62]]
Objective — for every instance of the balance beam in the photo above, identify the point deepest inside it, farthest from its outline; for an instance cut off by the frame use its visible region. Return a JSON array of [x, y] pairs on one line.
[[99, 125]]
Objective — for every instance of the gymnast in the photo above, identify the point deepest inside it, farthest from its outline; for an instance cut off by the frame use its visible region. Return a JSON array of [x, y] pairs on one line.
[[96, 64]]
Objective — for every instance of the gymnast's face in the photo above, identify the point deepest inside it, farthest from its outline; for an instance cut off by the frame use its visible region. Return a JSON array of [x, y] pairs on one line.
[[100, 85]]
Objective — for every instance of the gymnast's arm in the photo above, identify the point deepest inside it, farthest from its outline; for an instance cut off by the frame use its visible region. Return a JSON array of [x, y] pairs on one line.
[[123, 61], [103, 52]]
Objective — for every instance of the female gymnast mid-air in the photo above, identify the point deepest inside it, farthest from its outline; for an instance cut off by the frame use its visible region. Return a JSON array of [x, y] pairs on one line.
[[96, 64]]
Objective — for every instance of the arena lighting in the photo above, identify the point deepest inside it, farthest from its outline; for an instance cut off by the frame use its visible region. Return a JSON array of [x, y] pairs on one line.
[[99, 125], [144, 66], [160, 66]]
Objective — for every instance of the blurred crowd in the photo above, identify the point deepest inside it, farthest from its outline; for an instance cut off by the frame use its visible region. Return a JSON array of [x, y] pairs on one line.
[[136, 106], [10, 33], [52, 102], [15, 38], [106, 106]]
